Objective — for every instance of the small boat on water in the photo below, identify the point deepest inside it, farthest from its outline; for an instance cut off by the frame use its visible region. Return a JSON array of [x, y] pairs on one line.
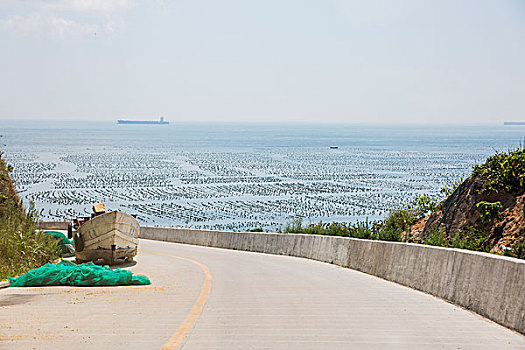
[[106, 235]]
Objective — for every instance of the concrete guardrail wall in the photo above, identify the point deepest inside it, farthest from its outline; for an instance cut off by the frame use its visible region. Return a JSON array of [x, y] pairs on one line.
[[492, 286]]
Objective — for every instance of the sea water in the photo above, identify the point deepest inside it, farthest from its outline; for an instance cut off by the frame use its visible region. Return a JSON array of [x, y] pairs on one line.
[[240, 176]]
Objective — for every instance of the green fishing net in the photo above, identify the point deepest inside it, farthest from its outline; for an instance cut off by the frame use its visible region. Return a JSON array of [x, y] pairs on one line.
[[66, 246], [67, 273]]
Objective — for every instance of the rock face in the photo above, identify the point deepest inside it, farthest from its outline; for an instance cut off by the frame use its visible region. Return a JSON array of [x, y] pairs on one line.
[[511, 228], [460, 213]]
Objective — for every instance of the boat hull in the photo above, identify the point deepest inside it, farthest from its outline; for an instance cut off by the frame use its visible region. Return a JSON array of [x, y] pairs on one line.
[[108, 236], [143, 122]]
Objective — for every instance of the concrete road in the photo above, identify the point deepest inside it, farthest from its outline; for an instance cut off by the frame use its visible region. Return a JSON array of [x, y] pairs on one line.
[[207, 298]]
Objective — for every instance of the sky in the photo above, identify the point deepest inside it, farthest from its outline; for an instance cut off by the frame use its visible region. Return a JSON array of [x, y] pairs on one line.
[[286, 61]]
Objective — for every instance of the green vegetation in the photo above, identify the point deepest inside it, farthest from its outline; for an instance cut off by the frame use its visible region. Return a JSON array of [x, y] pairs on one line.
[[449, 190], [21, 246], [364, 230], [472, 239], [436, 238], [489, 211], [389, 229], [392, 229], [503, 171]]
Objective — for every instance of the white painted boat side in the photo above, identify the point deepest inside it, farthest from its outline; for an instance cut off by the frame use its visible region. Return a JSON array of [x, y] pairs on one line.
[[113, 228]]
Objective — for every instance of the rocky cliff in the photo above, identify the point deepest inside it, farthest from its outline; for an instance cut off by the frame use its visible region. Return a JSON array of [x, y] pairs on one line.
[[490, 202]]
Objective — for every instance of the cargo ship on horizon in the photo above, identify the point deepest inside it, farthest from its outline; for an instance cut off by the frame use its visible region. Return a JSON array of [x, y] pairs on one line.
[[161, 121]]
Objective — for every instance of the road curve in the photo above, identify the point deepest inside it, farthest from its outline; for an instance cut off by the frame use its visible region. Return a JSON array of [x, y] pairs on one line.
[[208, 298]]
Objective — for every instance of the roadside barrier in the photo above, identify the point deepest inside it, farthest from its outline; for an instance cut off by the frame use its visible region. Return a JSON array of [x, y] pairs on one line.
[[492, 286]]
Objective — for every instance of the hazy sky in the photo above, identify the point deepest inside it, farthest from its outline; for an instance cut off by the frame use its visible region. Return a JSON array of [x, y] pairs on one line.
[[264, 61]]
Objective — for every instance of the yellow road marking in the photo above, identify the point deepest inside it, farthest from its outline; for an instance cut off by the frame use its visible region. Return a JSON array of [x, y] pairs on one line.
[[189, 322]]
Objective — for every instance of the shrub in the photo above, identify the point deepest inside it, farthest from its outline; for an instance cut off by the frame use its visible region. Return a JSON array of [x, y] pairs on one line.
[[399, 220], [365, 230], [472, 239], [489, 211], [503, 171], [448, 190], [294, 226], [21, 246], [436, 238], [423, 206], [390, 234]]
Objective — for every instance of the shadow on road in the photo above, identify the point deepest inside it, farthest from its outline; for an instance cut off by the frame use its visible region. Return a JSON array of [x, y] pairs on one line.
[[14, 299]]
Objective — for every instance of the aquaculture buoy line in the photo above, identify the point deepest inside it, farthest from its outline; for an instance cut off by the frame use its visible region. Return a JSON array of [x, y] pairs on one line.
[[232, 190]]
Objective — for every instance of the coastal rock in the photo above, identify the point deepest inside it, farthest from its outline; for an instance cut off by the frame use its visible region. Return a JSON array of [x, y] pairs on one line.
[[460, 213]]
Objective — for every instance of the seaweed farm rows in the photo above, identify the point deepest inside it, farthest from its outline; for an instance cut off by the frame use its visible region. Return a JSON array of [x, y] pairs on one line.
[[260, 187]]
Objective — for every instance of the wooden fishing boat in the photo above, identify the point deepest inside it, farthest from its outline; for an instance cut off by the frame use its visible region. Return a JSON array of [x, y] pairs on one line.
[[106, 235]]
